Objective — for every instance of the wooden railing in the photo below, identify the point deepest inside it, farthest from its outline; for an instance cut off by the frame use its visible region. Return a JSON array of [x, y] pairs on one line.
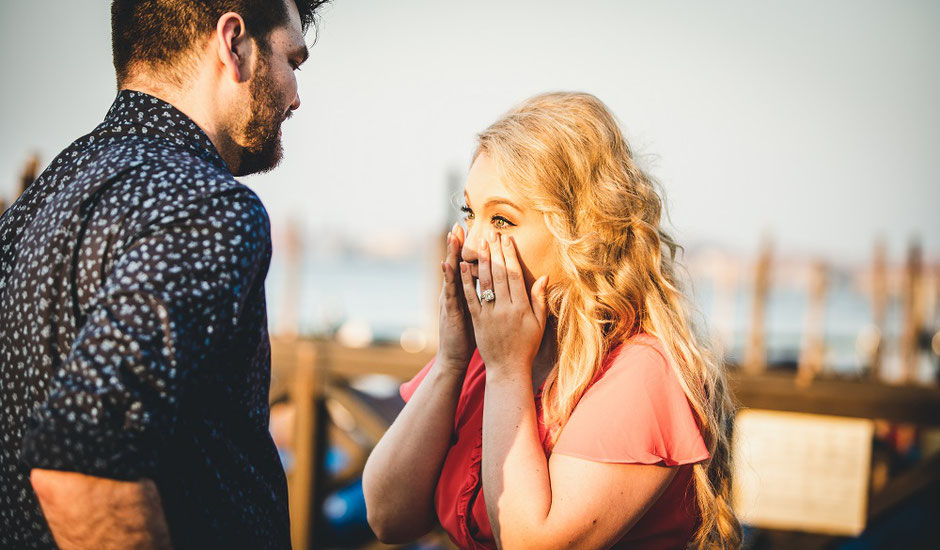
[[313, 365]]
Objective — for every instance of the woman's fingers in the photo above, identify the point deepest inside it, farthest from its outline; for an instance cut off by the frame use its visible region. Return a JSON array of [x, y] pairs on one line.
[[515, 280], [498, 267], [444, 262], [443, 283], [469, 292], [452, 292], [484, 266], [451, 298], [454, 244], [449, 289], [539, 300]]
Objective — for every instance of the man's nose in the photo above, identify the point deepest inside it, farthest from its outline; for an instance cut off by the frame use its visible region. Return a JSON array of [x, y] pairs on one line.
[[296, 104]]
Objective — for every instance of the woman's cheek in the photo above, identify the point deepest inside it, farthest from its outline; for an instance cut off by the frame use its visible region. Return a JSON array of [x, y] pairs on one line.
[[529, 271]]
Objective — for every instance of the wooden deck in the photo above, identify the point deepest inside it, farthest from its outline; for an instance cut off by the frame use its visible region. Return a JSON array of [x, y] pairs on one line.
[[307, 372]]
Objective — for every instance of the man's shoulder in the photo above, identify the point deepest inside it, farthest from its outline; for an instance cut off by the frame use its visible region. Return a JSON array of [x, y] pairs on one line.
[[160, 161], [156, 182], [160, 172]]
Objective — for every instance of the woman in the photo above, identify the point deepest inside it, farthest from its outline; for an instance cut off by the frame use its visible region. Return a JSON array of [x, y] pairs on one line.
[[599, 420]]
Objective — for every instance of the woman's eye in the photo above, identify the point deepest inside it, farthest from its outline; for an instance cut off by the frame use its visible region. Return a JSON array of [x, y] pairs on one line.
[[467, 213], [501, 222]]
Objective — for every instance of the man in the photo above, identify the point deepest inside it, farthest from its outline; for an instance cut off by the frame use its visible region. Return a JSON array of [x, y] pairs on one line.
[[134, 354]]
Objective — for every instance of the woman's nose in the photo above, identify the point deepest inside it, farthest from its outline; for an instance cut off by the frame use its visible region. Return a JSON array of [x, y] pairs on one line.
[[471, 246]]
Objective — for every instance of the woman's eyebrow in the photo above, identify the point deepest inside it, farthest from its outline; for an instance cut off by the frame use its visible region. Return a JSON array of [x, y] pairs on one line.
[[500, 200], [492, 201]]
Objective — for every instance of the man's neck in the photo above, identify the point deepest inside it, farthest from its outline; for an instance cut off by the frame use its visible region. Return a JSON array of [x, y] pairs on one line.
[[187, 102]]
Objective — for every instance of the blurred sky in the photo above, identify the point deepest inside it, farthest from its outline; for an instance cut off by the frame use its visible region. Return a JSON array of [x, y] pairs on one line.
[[816, 121]]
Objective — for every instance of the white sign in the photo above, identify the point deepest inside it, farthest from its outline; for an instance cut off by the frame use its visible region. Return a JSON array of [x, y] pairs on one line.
[[803, 472]]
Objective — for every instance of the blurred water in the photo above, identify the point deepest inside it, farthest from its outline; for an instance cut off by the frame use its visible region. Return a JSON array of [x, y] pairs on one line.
[[847, 313], [394, 294], [389, 295]]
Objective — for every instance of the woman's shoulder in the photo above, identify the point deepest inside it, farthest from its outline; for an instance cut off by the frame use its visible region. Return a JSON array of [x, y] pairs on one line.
[[636, 411], [634, 370], [643, 354]]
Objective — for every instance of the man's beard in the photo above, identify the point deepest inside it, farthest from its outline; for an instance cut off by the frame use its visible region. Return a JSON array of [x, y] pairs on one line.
[[260, 134]]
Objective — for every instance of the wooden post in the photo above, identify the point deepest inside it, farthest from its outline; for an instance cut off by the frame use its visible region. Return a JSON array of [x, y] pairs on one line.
[[30, 173], [913, 322], [304, 394], [27, 177], [288, 322], [933, 313], [812, 350], [724, 302], [755, 358], [879, 301]]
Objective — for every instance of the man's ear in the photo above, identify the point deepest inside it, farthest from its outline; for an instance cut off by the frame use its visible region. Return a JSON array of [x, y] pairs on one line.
[[234, 47]]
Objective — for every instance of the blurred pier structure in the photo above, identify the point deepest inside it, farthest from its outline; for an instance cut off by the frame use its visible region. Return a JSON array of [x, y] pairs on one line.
[[756, 359], [26, 177], [889, 384]]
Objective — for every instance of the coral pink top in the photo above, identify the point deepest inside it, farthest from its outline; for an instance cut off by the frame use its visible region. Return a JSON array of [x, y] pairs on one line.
[[636, 412]]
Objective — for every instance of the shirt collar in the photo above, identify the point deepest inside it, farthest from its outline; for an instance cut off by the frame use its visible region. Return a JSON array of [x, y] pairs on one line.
[[135, 112]]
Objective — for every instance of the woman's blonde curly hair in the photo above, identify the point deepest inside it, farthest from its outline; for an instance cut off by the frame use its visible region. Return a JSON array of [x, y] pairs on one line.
[[566, 154]]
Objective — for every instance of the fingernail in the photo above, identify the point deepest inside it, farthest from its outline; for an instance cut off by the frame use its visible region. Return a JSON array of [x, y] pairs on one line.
[[483, 244], [463, 267]]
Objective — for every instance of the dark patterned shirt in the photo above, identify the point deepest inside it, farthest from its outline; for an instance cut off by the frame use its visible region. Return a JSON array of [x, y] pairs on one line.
[[133, 332]]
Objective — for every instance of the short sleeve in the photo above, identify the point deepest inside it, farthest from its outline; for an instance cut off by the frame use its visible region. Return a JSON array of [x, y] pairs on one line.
[[408, 388], [162, 318], [635, 413]]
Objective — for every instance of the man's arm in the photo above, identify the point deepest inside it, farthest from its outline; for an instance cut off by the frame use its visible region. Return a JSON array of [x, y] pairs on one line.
[[86, 512], [166, 308]]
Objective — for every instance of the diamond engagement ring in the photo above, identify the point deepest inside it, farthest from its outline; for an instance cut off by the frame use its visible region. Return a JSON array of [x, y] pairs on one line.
[[488, 295]]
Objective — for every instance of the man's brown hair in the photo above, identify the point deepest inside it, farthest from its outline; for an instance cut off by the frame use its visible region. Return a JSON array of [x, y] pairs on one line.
[[159, 34]]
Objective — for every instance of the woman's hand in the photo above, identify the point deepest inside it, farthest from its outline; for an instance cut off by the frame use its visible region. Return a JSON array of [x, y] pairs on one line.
[[400, 476], [509, 328], [456, 341]]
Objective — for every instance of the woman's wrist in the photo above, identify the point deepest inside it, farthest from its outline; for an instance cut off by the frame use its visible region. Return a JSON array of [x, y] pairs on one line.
[[507, 373], [450, 371]]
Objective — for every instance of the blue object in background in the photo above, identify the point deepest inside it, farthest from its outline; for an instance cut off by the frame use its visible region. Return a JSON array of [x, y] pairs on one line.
[[911, 526], [336, 460], [345, 510]]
